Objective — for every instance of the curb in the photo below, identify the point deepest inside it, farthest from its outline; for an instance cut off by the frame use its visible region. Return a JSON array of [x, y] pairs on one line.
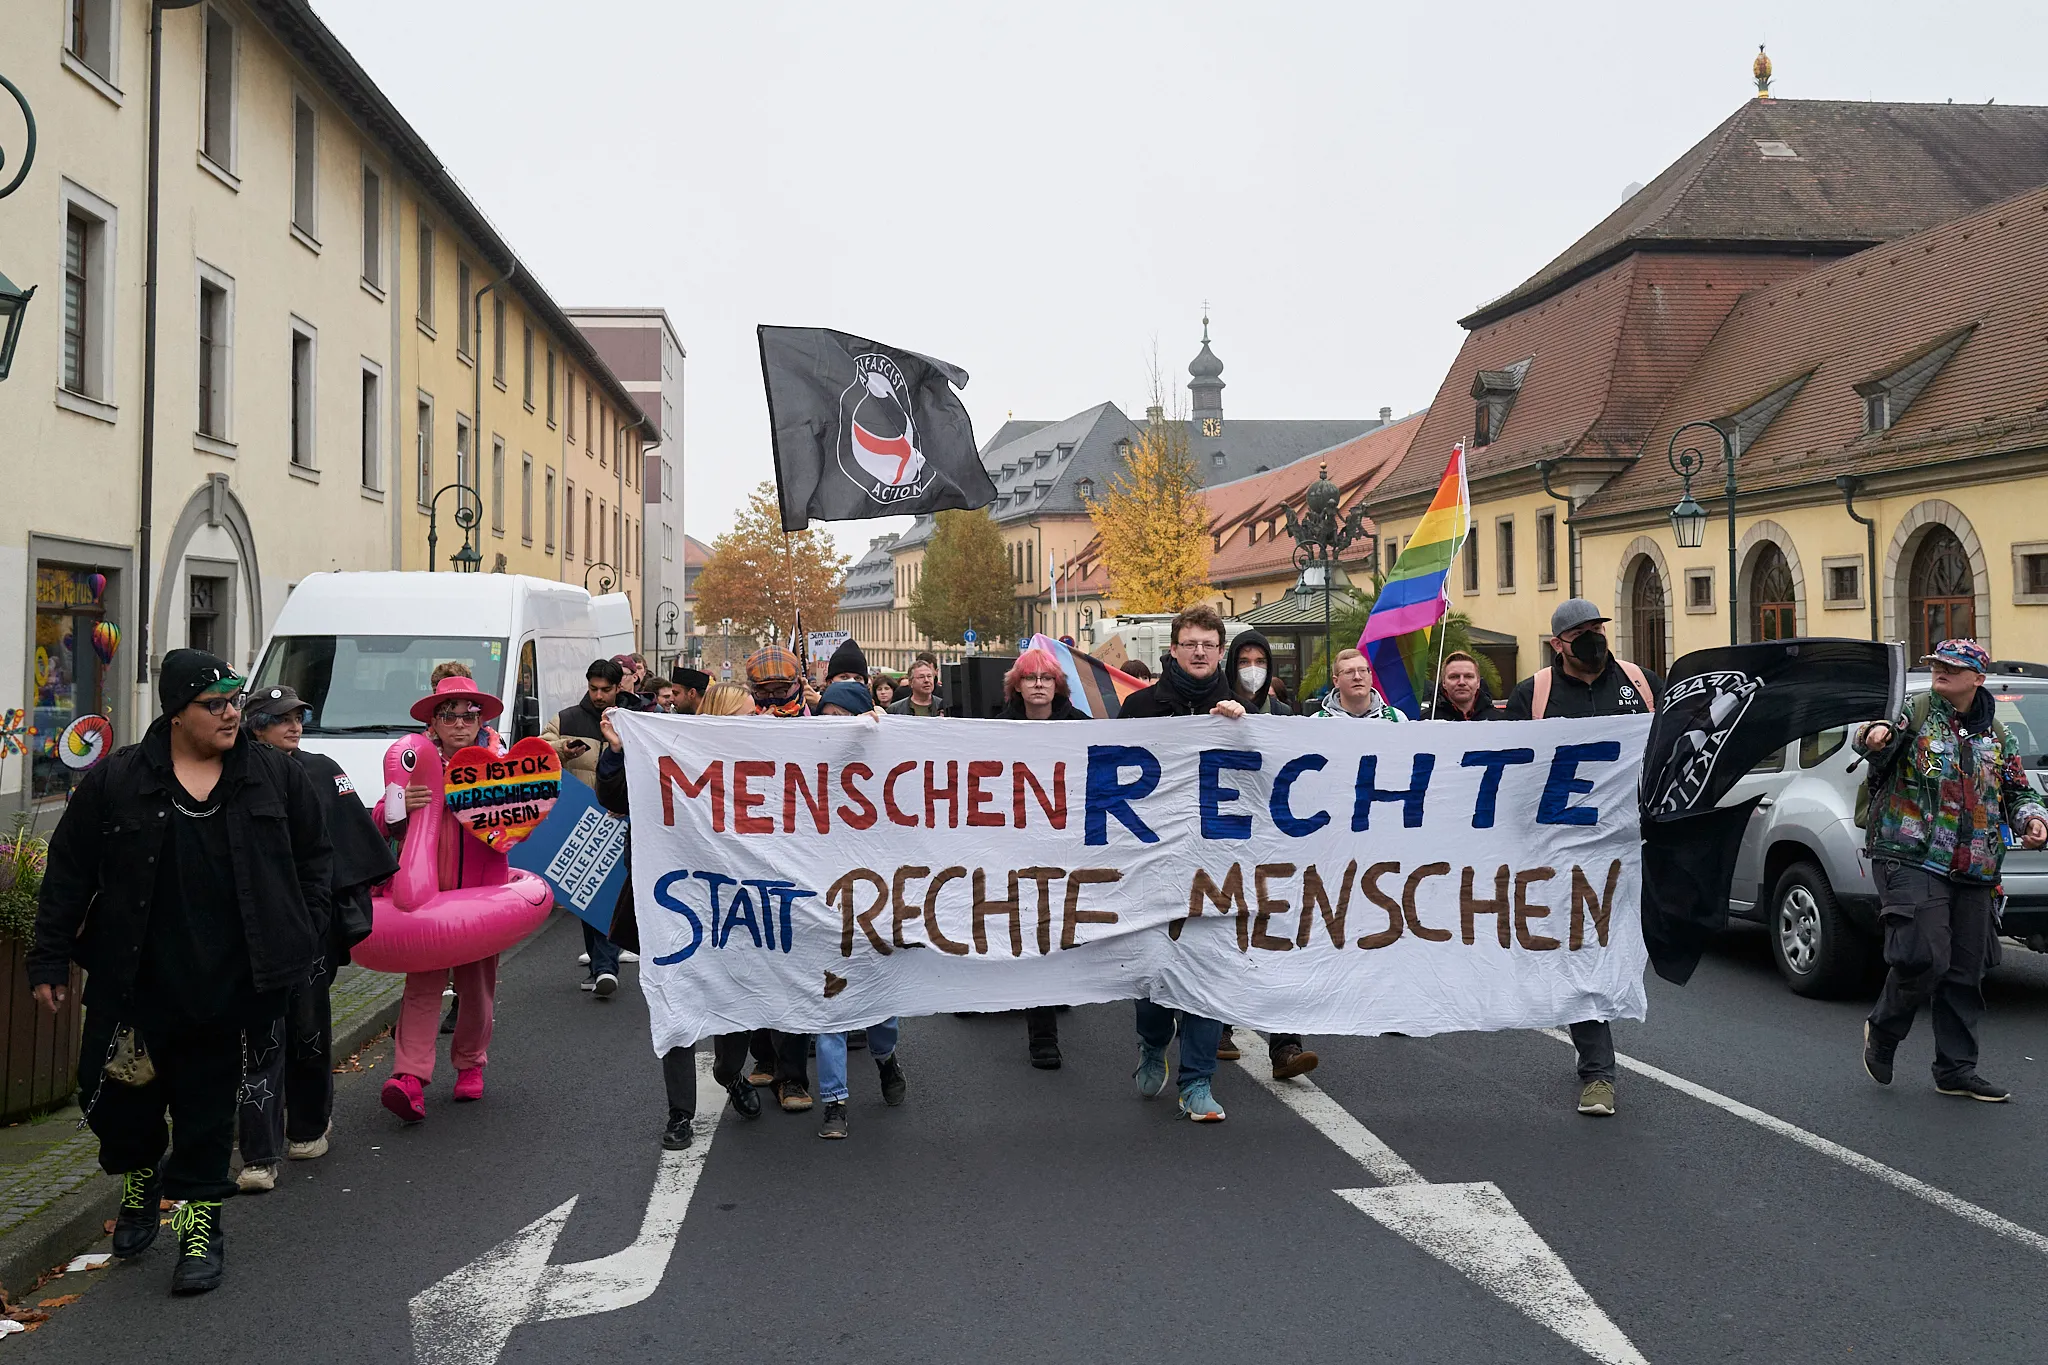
[[71, 1225]]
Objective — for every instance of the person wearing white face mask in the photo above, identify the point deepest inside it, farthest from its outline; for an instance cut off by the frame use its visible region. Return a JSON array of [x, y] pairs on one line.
[[1250, 672]]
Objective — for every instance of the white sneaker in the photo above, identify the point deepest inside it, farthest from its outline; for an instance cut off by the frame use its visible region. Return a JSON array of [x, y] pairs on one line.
[[628, 955], [605, 984], [310, 1151], [583, 959], [257, 1179], [588, 984]]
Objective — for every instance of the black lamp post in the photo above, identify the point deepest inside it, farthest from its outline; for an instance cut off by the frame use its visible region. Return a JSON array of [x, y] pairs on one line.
[[1320, 538], [1689, 519], [14, 300], [604, 580], [465, 516], [665, 617]]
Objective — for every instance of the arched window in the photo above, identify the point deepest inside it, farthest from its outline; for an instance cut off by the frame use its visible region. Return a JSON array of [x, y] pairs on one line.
[[1646, 616], [1774, 608], [1941, 590]]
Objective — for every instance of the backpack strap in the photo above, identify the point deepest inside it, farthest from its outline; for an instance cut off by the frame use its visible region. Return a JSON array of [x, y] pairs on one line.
[[1642, 683], [1539, 696]]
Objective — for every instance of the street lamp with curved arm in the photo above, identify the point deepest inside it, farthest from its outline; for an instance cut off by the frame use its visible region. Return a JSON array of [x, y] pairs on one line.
[[1689, 519], [465, 516], [605, 580], [665, 617]]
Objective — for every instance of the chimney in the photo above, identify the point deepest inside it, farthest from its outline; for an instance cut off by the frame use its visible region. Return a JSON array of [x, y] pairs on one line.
[[1155, 414], [1386, 416]]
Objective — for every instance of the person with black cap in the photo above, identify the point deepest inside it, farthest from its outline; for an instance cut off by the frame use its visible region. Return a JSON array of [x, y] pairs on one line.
[[690, 684], [1586, 680], [288, 1081], [204, 862]]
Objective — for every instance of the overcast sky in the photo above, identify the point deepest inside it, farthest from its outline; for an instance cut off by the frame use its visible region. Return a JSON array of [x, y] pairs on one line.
[[1040, 193]]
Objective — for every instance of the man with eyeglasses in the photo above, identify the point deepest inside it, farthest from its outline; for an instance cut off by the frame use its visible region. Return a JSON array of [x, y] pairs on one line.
[[204, 862], [1191, 683], [577, 735]]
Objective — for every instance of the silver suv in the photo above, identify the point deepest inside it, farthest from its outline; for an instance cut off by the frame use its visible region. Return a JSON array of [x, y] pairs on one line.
[[1803, 872]]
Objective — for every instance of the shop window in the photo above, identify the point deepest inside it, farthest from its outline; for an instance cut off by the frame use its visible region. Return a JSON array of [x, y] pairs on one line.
[[70, 673]]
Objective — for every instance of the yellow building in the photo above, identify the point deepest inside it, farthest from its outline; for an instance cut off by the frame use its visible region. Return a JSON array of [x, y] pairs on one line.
[[1871, 325]]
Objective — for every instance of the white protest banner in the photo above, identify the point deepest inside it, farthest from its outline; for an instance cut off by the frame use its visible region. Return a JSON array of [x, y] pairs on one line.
[[821, 874]]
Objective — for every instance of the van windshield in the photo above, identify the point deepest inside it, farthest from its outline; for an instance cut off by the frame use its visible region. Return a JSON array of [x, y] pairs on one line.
[[366, 684]]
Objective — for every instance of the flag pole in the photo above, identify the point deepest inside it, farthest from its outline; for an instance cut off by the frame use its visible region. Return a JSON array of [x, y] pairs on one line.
[[1443, 641]]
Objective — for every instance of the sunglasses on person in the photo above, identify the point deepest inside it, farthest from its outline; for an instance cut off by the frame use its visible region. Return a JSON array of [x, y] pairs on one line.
[[464, 713], [304, 716]]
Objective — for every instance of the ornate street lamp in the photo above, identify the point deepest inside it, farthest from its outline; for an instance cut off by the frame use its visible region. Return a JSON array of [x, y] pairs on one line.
[[665, 617], [604, 580], [1689, 519], [14, 300], [465, 516], [1320, 539]]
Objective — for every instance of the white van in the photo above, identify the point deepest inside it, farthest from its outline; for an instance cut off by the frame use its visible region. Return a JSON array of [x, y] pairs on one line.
[[359, 648]]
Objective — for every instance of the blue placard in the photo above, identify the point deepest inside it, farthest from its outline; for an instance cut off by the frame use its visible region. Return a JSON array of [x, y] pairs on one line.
[[580, 850]]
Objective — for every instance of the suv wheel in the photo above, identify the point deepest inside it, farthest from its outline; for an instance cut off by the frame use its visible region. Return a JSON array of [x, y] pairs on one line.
[[1819, 951]]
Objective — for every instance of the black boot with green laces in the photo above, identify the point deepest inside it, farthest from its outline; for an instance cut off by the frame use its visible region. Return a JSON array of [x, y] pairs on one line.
[[201, 1254], [141, 1214]]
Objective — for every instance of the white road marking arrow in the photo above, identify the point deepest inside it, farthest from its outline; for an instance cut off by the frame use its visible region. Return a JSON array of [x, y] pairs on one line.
[[467, 1318], [1470, 1227]]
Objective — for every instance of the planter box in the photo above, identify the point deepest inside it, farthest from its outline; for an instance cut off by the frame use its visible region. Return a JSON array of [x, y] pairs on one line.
[[38, 1050]]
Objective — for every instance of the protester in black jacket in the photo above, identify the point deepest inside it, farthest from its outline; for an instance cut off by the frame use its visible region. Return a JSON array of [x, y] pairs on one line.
[[678, 1064], [204, 864], [1250, 674], [1587, 681], [1035, 688], [1191, 683], [1461, 694], [288, 1068]]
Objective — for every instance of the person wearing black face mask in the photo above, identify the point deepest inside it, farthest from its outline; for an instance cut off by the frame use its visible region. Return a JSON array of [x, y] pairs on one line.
[[1586, 681]]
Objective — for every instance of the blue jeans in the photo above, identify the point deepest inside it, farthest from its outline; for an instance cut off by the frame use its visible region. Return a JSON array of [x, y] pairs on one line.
[[832, 1057], [604, 954], [1198, 1040]]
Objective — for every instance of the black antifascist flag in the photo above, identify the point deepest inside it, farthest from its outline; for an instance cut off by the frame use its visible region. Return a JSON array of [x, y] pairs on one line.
[[866, 430], [1722, 712]]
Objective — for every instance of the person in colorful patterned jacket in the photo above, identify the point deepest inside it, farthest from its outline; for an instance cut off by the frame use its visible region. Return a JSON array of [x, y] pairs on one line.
[[1947, 792]]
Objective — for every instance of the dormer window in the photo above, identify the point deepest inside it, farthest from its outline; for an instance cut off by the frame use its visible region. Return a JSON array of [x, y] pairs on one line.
[[1887, 396], [1216, 458], [1493, 397], [1086, 488], [1066, 449]]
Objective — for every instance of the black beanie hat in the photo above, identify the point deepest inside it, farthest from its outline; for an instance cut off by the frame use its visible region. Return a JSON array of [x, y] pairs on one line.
[[185, 673], [848, 658]]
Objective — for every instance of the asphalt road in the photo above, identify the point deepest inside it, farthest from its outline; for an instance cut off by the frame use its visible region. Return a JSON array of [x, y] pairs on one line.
[[1014, 1215]]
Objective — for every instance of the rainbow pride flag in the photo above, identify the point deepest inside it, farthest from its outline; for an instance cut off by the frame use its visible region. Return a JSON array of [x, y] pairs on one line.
[[1094, 686], [1413, 598]]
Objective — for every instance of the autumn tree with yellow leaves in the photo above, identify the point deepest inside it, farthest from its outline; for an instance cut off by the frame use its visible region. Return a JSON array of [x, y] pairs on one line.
[[762, 577], [1154, 524]]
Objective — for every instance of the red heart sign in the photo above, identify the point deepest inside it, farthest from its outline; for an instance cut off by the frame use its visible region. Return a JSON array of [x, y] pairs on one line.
[[502, 798]]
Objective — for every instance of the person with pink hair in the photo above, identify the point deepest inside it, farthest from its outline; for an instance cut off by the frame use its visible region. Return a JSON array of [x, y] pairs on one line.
[[1035, 688]]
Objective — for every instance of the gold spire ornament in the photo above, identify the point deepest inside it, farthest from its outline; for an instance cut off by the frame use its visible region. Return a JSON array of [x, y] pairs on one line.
[[1761, 69]]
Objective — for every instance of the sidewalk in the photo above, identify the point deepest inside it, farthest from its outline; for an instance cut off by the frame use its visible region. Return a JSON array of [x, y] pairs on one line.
[[54, 1198]]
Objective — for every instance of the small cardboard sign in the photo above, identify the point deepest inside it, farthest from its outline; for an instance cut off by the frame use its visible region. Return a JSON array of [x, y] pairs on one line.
[[580, 851], [502, 798]]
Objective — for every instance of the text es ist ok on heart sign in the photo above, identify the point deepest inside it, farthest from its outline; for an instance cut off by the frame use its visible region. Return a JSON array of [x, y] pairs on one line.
[[502, 798]]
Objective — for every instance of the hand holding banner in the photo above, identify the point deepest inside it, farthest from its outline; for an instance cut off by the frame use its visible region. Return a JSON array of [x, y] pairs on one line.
[[822, 874]]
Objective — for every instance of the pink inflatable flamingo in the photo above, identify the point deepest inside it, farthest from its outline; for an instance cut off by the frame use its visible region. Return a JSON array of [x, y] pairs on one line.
[[418, 927]]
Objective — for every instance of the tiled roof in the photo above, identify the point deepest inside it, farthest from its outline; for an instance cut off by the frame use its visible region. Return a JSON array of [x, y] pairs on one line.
[[1245, 516], [1859, 173], [871, 580], [1865, 317], [1603, 356], [696, 554]]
